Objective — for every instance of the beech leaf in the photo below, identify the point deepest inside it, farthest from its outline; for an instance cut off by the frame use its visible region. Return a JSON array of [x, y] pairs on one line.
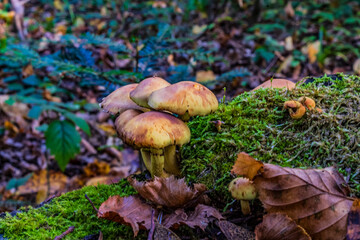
[[200, 217], [247, 166], [353, 230], [315, 198], [169, 192], [129, 210], [278, 226]]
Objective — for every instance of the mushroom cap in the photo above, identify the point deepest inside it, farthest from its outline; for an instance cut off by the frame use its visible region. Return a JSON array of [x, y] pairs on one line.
[[276, 83], [141, 93], [242, 189], [184, 97], [119, 100], [155, 130], [124, 118]]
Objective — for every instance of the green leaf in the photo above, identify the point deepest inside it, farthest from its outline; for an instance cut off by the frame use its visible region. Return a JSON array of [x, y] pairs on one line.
[[17, 182], [35, 112], [81, 123], [63, 141]]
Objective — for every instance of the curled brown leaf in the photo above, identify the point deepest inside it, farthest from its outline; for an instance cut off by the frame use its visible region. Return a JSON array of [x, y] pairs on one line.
[[247, 166], [169, 192], [129, 210], [200, 217]]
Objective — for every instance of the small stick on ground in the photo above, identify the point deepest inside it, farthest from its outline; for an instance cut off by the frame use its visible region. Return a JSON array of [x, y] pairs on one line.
[[70, 229], [152, 229], [92, 204]]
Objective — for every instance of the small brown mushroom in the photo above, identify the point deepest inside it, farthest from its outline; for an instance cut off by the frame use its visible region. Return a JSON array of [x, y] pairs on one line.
[[186, 99], [119, 101], [157, 134], [296, 109], [141, 93], [307, 102], [276, 83], [244, 190]]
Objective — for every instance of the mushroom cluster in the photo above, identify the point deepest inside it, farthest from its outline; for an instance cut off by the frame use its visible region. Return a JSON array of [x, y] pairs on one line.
[[298, 108], [147, 118]]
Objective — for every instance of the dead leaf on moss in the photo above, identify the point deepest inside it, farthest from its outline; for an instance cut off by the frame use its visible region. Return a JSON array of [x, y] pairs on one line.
[[233, 231], [353, 230], [278, 226], [317, 199], [247, 166], [200, 217], [129, 210], [169, 192]]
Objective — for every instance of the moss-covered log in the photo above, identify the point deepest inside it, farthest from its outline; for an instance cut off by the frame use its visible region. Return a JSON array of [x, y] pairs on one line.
[[256, 123], [253, 122]]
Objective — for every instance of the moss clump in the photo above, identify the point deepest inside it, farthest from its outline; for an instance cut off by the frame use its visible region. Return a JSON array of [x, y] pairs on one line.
[[70, 209], [255, 122]]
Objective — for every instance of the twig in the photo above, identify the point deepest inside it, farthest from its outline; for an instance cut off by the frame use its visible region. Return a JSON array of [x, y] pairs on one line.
[[92, 204], [152, 229], [70, 229]]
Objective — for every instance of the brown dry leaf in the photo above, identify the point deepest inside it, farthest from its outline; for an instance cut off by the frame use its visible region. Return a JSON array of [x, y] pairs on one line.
[[129, 210], [38, 182], [247, 166], [278, 226], [232, 231], [47, 95], [315, 198], [205, 76], [159, 4], [353, 230], [27, 70], [15, 110], [169, 192], [11, 127], [289, 10], [312, 49], [96, 168], [201, 217]]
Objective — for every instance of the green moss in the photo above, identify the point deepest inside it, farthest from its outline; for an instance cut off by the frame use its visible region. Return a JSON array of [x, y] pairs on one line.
[[71, 209], [255, 122]]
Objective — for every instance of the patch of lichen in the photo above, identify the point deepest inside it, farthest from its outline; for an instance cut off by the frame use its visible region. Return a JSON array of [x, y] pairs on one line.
[[255, 122], [70, 209]]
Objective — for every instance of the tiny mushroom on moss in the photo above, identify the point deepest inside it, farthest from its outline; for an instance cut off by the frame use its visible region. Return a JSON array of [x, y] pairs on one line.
[[307, 102], [296, 109], [244, 190], [185, 99], [157, 134], [141, 93], [119, 101], [276, 83]]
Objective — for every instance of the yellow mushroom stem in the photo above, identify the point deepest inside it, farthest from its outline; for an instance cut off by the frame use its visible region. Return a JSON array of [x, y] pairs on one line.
[[171, 163], [145, 154], [157, 162], [169, 158], [185, 117], [245, 207]]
